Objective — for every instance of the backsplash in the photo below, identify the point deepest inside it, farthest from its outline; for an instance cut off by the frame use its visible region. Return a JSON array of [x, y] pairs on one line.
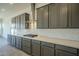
[[71, 34]]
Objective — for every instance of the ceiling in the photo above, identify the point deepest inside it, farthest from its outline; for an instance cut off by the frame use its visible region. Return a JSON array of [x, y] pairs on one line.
[[7, 8]]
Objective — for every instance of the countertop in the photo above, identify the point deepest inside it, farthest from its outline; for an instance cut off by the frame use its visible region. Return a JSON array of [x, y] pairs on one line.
[[61, 41]]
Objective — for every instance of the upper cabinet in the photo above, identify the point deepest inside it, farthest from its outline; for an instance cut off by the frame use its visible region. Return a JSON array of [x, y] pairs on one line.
[[20, 21], [74, 15], [42, 17], [58, 15]]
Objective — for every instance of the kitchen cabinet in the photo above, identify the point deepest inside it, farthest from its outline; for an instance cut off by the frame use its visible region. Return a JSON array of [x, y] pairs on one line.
[[52, 16], [65, 51], [42, 16], [13, 41], [26, 45], [47, 49], [57, 15], [20, 21], [9, 39], [36, 48], [18, 42], [41, 48], [74, 15]]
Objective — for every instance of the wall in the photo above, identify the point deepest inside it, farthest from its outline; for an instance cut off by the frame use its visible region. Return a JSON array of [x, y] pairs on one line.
[[7, 19]]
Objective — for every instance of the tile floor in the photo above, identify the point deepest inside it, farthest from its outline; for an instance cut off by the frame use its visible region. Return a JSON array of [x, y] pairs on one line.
[[7, 50]]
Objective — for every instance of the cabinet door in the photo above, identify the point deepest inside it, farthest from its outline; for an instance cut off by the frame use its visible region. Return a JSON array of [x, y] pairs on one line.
[[13, 41], [57, 15], [13, 23], [74, 18], [17, 22], [64, 53], [18, 42], [35, 49], [9, 39], [47, 51], [42, 17], [26, 45], [22, 21], [26, 21]]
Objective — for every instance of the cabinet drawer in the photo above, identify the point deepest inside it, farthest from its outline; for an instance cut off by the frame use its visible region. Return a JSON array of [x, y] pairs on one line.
[[64, 53], [69, 49], [47, 51], [28, 40], [26, 43], [47, 44], [35, 41]]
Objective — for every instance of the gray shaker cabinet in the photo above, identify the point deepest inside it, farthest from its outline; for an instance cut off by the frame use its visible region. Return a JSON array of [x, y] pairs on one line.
[[57, 15], [47, 49], [74, 15], [65, 51], [18, 42], [26, 45], [36, 48], [42, 17]]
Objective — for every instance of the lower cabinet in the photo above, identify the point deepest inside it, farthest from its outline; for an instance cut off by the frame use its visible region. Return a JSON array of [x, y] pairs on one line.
[[13, 41], [9, 39], [26, 45], [36, 48], [40, 48], [18, 42], [65, 51], [47, 49]]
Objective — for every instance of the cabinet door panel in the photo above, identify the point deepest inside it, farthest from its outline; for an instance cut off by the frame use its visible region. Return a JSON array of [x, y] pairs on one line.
[[42, 17], [66, 48], [47, 51], [26, 45], [57, 15], [75, 15], [13, 41], [18, 42], [35, 49], [9, 39], [63, 53]]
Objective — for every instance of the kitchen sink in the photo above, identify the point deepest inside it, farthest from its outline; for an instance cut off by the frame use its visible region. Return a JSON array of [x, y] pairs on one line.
[[30, 35]]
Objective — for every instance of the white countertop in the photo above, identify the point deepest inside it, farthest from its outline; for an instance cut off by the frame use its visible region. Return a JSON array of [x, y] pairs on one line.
[[66, 42]]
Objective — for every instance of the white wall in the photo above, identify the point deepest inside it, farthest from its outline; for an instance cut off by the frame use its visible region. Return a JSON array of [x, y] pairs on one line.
[[8, 17]]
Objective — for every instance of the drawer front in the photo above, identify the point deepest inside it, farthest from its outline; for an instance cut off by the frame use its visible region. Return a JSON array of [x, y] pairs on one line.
[[69, 49], [64, 53], [27, 39], [26, 43], [47, 44], [26, 49], [35, 41], [36, 49], [47, 51]]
